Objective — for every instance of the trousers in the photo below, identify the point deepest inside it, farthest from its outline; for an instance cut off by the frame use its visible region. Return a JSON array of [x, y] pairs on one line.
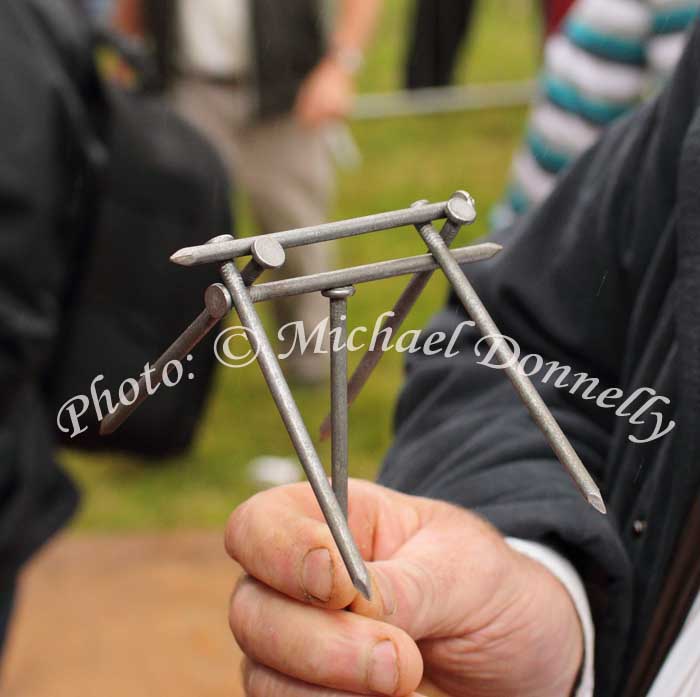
[[287, 174]]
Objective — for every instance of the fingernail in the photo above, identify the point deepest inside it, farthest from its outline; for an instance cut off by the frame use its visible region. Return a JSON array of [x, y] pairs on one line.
[[386, 593], [383, 675], [317, 575]]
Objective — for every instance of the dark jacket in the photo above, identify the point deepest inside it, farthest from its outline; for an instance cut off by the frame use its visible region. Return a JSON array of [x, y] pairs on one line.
[[76, 300], [288, 42], [42, 175], [604, 278]]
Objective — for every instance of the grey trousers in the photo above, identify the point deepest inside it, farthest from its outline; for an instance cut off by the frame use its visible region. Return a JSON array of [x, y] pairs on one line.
[[287, 174]]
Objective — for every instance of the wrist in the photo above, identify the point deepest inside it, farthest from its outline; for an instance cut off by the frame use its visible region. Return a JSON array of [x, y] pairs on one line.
[[556, 633], [562, 569], [349, 59]]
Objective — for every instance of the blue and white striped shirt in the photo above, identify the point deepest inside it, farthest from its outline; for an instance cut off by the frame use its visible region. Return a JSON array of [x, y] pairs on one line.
[[607, 56]]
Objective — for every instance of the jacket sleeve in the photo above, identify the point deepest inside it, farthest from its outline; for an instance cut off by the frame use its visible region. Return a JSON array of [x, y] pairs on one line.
[[563, 288], [42, 179]]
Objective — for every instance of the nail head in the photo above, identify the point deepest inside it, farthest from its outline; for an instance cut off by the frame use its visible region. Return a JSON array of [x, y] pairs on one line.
[[461, 208], [218, 301], [339, 293], [268, 253]]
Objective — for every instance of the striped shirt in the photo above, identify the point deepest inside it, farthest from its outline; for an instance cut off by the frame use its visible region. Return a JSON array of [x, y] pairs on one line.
[[607, 56]]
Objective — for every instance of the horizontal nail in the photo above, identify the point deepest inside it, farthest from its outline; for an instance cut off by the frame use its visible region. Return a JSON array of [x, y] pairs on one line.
[[317, 575], [383, 674]]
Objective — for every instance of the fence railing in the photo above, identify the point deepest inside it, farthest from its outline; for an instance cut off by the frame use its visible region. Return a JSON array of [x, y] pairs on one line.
[[443, 100]]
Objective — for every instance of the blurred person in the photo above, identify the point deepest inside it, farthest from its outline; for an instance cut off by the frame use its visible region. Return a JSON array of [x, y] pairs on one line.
[[608, 56], [261, 80], [82, 178], [439, 30], [39, 242], [491, 574]]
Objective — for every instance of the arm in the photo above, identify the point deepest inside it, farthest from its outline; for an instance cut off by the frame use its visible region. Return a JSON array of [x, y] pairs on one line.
[[37, 178], [451, 600], [594, 71], [597, 67], [39, 188], [565, 573], [565, 288], [355, 25], [328, 92]]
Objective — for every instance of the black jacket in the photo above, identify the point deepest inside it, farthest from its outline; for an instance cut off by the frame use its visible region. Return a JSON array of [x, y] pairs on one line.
[[41, 182], [604, 278], [288, 42], [77, 300]]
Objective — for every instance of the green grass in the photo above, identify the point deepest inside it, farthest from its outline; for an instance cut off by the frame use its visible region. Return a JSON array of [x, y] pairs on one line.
[[404, 160]]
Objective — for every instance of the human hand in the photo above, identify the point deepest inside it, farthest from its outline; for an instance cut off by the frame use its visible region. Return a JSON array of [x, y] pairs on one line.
[[326, 95], [451, 601]]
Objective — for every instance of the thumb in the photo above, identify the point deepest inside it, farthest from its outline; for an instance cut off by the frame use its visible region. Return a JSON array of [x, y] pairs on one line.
[[453, 576]]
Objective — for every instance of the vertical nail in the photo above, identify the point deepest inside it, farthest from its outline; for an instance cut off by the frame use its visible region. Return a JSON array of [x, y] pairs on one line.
[[339, 392]]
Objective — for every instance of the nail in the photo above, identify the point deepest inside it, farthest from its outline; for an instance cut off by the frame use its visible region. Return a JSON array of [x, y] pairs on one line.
[[383, 674], [317, 575]]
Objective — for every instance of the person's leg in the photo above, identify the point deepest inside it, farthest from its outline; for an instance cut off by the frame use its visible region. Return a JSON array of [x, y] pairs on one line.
[[438, 31], [287, 172], [211, 109]]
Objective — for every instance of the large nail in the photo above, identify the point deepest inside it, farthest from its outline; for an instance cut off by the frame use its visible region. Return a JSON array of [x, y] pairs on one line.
[[383, 674], [317, 575]]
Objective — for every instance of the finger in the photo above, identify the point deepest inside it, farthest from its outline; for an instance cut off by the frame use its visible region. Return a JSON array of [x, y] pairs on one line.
[[332, 649], [280, 537], [259, 681], [447, 578]]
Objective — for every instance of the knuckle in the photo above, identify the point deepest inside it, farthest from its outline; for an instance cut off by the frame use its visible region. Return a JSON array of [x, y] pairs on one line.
[[233, 534], [252, 680], [242, 525], [242, 613], [247, 676]]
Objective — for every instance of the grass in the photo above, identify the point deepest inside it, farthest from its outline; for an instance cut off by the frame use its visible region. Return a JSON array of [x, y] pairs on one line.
[[404, 160]]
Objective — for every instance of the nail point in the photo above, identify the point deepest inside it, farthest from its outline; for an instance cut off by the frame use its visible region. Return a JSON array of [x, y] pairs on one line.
[[106, 428], [183, 257], [596, 500], [364, 585]]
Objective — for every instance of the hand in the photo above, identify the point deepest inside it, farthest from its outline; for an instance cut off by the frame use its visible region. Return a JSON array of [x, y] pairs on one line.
[[450, 599], [326, 95]]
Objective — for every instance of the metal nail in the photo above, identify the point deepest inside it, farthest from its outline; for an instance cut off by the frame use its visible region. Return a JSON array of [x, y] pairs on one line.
[[339, 391], [234, 248], [367, 273], [282, 395], [461, 210], [218, 305], [218, 302], [267, 254], [522, 384]]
